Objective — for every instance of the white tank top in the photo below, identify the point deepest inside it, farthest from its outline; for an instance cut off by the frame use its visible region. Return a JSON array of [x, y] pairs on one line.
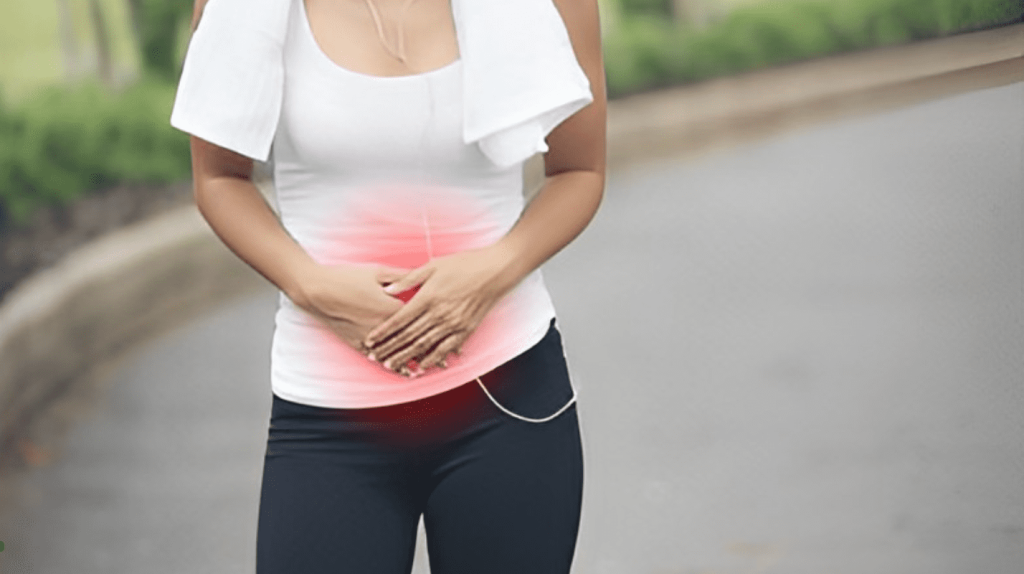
[[373, 170]]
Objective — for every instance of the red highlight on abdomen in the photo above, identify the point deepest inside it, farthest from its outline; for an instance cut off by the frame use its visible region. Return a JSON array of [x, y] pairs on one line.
[[402, 226]]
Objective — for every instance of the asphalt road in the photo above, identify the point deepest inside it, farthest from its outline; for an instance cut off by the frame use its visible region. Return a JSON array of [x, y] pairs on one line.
[[799, 356]]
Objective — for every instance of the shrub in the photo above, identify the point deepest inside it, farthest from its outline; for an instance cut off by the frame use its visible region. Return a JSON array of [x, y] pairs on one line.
[[160, 24], [646, 52], [67, 141]]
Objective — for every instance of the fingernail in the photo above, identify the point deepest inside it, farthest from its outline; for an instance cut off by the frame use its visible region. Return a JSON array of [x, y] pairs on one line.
[[371, 357]]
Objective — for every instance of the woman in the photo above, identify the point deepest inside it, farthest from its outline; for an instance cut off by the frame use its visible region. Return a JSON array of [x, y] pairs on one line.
[[417, 369]]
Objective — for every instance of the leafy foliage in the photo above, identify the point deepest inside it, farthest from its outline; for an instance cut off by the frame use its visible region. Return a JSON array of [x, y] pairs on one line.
[[160, 24], [67, 141], [647, 51]]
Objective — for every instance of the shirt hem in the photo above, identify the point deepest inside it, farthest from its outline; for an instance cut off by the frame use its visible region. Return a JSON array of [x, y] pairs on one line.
[[523, 345]]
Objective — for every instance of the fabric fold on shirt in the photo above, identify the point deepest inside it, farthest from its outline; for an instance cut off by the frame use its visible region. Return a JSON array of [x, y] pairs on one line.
[[520, 73]]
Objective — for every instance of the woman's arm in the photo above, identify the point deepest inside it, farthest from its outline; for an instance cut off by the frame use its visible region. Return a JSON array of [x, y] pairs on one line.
[[239, 215], [236, 211], [347, 298], [574, 164], [466, 285]]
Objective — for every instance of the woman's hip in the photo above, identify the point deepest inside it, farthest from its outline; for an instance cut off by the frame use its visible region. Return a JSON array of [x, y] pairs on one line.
[[532, 388]]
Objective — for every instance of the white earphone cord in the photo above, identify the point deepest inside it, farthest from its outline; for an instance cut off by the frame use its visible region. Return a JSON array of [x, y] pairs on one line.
[[522, 418]]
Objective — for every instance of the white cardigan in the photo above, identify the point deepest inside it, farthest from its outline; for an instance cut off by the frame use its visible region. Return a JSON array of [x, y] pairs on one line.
[[521, 77]]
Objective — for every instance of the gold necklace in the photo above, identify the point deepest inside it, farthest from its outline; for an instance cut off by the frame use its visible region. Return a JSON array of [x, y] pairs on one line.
[[380, 29]]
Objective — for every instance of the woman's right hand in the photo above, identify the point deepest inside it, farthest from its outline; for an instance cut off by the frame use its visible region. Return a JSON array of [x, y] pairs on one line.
[[350, 299]]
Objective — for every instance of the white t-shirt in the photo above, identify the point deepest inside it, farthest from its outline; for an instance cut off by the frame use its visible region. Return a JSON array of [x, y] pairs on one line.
[[394, 171], [373, 170]]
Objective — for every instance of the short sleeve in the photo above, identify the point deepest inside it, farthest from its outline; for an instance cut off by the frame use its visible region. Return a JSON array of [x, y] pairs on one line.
[[518, 142], [522, 76], [232, 82]]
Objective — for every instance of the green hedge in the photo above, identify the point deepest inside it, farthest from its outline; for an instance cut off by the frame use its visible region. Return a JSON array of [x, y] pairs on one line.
[[646, 52], [69, 140]]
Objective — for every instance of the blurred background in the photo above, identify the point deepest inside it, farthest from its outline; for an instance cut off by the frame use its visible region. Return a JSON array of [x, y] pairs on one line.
[[818, 370]]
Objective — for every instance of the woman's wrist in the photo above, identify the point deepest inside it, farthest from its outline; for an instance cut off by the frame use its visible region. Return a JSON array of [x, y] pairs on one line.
[[558, 213], [509, 265], [304, 280]]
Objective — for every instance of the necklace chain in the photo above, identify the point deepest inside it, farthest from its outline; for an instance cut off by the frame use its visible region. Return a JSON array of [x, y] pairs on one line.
[[400, 54]]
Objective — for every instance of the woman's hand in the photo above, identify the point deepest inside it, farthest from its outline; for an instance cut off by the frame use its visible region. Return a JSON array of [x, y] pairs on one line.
[[349, 299], [455, 293]]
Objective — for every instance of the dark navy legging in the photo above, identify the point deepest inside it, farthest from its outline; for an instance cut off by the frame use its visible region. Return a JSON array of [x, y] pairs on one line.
[[343, 489]]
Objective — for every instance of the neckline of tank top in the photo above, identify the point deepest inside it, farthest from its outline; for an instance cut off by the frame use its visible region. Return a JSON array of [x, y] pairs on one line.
[[328, 63]]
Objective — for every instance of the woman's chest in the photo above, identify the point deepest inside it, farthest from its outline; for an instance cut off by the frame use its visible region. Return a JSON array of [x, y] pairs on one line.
[[336, 119], [359, 122], [368, 35]]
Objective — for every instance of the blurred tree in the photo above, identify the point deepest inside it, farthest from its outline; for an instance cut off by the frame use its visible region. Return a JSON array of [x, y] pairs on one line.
[[692, 12], [609, 10], [68, 40], [657, 8], [160, 25], [696, 13], [105, 66]]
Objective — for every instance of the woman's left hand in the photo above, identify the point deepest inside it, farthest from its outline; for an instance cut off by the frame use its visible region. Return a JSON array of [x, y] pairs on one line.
[[456, 292]]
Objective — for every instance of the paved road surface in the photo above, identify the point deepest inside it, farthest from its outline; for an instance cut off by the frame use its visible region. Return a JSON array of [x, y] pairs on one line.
[[801, 356]]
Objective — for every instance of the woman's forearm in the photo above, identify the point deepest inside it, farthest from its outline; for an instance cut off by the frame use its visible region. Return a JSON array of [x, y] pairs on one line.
[[559, 212], [241, 218], [575, 162]]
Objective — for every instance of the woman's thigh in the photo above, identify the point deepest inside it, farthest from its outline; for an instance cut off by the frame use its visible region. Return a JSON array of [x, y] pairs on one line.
[[331, 500], [506, 498], [513, 506]]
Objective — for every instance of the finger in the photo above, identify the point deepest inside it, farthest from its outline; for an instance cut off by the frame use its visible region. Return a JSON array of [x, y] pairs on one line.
[[387, 274], [411, 310], [403, 335], [428, 333], [391, 327], [439, 354], [409, 280], [418, 348]]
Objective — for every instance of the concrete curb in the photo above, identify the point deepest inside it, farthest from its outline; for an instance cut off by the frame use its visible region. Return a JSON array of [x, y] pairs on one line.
[[102, 298], [111, 292]]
